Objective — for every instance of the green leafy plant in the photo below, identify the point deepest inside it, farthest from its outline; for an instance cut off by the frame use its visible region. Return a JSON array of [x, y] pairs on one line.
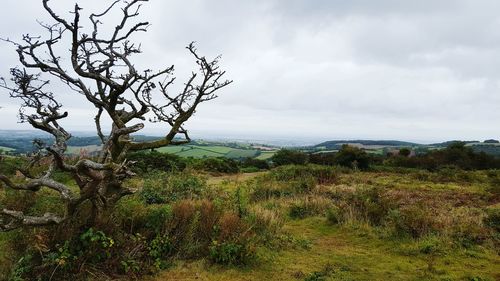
[[231, 253]]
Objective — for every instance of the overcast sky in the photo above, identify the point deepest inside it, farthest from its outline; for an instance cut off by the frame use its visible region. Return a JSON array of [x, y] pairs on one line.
[[422, 70]]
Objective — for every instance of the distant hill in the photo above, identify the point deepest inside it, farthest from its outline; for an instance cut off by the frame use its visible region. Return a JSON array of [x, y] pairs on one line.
[[336, 144], [21, 141], [447, 143]]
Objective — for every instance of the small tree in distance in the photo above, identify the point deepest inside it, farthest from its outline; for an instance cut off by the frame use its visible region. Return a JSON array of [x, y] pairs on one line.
[[102, 71], [289, 156]]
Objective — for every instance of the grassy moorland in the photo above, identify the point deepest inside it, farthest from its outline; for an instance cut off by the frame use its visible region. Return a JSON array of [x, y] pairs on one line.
[[354, 217], [203, 220], [434, 230]]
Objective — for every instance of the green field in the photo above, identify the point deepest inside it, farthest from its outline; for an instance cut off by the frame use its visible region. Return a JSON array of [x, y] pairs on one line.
[[264, 155], [202, 151], [7, 149], [195, 151]]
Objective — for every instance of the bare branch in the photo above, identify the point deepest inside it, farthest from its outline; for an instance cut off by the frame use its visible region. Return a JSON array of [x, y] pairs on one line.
[[102, 70]]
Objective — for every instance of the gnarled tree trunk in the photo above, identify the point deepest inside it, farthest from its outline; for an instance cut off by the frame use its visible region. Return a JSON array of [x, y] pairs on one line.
[[100, 70]]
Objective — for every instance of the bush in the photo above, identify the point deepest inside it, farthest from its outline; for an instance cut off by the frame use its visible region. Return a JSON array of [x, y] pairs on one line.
[[161, 188], [352, 157], [264, 188], [257, 164], [217, 165], [231, 253], [21, 268], [333, 215], [10, 165], [266, 223], [493, 218], [233, 244], [321, 174], [366, 204], [323, 158], [146, 162], [456, 154], [467, 225], [159, 249], [289, 157], [414, 220], [430, 245], [309, 206]]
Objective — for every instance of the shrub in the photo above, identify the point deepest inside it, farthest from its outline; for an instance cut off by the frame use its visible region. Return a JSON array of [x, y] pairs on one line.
[[333, 215], [413, 220], [218, 165], [159, 249], [162, 188], [352, 157], [157, 217], [264, 187], [289, 157], [9, 165], [231, 253], [367, 204], [21, 268], [209, 219], [323, 158], [430, 245], [257, 164], [309, 206], [467, 225], [233, 244], [456, 154], [321, 174], [303, 185], [241, 201], [146, 162], [493, 218], [265, 223], [249, 170]]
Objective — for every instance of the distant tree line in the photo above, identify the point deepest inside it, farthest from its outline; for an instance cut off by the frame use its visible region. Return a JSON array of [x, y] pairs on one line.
[[456, 154], [347, 156]]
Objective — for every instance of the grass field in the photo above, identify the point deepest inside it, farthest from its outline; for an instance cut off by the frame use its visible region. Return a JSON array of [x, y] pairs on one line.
[[357, 250], [305, 223], [198, 151], [195, 151], [351, 253], [7, 149], [264, 155]]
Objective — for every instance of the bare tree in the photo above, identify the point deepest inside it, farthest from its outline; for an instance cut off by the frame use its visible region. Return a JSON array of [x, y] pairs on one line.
[[102, 71]]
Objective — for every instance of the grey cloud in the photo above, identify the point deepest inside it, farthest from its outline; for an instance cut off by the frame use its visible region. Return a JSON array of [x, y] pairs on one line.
[[420, 70]]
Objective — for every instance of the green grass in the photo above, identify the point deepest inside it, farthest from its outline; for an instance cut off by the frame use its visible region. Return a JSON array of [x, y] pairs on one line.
[[201, 151], [351, 250], [173, 149], [195, 151], [358, 251], [354, 253], [198, 153], [6, 149], [264, 155], [241, 153]]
